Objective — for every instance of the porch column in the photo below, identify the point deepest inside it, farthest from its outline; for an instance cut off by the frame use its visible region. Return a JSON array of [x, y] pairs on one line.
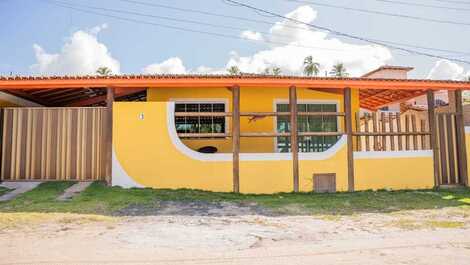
[[236, 137], [293, 136], [461, 145], [347, 102], [109, 134], [433, 136]]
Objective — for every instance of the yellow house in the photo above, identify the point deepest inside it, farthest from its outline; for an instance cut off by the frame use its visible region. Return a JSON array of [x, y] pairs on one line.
[[238, 133]]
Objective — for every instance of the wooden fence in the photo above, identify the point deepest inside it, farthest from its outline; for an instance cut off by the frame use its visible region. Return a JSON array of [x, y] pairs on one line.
[[53, 144], [447, 147], [381, 131]]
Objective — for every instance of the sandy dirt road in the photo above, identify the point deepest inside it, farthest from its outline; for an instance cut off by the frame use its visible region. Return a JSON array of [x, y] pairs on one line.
[[412, 237]]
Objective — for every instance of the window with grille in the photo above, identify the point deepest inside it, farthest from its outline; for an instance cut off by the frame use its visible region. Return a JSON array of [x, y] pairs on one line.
[[195, 124], [308, 124]]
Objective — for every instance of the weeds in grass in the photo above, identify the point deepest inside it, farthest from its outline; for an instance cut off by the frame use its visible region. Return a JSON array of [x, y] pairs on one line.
[[408, 224], [3, 190], [25, 219], [101, 199], [445, 224]]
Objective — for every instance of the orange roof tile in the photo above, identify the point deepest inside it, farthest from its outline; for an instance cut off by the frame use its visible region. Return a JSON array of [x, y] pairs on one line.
[[247, 80]]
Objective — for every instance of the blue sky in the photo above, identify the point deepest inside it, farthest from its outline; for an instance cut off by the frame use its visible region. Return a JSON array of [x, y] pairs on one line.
[[135, 46]]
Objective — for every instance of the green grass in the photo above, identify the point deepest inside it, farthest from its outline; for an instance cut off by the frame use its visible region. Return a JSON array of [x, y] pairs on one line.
[[3, 190], [410, 224], [100, 199]]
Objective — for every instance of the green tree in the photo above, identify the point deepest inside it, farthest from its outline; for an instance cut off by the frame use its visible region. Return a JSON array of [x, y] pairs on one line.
[[339, 70], [233, 70], [276, 70], [311, 67], [273, 71], [104, 71]]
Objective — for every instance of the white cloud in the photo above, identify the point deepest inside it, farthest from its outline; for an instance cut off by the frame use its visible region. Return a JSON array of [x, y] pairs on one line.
[[81, 54], [208, 70], [293, 42], [302, 41], [446, 70], [251, 35], [173, 65], [97, 29]]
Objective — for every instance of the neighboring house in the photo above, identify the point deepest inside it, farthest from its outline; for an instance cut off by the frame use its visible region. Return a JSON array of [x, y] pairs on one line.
[[401, 72], [232, 132]]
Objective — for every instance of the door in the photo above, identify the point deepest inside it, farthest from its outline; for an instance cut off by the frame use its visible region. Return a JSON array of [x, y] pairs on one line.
[[448, 149]]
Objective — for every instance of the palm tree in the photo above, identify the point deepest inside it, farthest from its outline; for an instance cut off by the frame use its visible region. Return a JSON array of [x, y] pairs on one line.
[[104, 71], [339, 70], [233, 70], [272, 71], [276, 70], [311, 67]]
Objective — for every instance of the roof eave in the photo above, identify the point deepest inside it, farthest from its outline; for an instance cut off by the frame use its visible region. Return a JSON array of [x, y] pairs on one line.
[[226, 81]]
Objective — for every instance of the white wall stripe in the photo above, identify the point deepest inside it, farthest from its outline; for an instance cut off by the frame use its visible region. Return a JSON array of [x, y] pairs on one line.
[[243, 156], [120, 177]]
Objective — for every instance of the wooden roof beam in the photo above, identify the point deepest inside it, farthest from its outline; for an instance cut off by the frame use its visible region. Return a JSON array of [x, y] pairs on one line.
[[52, 92], [408, 97], [69, 95], [102, 98], [336, 91], [22, 94]]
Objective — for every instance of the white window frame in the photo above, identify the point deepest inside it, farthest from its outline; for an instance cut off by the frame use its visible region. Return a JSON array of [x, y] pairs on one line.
[[302, 101], [204, 101]]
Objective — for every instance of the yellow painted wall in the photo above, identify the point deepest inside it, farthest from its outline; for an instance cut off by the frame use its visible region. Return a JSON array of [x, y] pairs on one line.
[[252, 100], [467, 143], [394, 173], [147, 154]]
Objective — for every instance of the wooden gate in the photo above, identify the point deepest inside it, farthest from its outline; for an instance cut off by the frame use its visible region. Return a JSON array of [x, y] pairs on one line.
[[53, 144], [448, 149]]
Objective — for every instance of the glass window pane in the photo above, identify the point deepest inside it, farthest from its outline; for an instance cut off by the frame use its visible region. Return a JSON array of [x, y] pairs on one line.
[[200, 124], [329, 107], [314, 107], [218, 107], [309, 124], [192, 107], [282, 108], [180, 107], [205, 108]]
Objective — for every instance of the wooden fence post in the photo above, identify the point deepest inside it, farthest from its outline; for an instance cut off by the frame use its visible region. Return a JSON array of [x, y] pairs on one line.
[[349, 132], [236, 137], [433, 136], [461, 144], [1, 143], [109, 136], [293, 136]]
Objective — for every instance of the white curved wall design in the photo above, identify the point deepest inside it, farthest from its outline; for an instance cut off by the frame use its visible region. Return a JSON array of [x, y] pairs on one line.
[[243, 156]]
